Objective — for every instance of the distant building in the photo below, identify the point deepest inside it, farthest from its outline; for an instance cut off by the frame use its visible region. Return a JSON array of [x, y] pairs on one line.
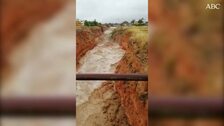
[[79, 22], [82, 23], [136, 23]]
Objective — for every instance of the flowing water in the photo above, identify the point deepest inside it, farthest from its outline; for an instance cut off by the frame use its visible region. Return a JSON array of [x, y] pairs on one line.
[[43, 65], [99, 104], [101, 59]]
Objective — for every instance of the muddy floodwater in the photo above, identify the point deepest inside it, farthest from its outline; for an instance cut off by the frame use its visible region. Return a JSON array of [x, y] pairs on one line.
[[101, 59], [99, 104], [43, 65]]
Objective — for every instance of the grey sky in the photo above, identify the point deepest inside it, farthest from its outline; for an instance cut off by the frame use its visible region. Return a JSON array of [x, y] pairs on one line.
[[111, 10]]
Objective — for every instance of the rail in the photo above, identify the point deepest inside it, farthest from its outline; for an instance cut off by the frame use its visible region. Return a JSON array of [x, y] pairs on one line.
[[115, 77], [158, 107]]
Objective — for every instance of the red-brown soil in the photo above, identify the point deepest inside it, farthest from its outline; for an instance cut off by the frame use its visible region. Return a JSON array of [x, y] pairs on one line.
[[86, 39], [18, 17], [185, 54], [133, 94], [186, 50]]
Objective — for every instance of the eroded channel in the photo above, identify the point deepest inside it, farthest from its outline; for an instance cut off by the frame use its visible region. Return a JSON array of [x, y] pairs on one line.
[[101, 59], [98, 104]]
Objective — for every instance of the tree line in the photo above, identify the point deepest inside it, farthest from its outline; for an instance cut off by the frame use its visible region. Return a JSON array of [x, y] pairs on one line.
[[139, 22], [91, 23]]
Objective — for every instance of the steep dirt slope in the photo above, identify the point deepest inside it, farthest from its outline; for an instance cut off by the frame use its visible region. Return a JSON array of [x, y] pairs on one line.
[[19, 16], [186, 54], [86, 39], [133, 94], [186, 51]]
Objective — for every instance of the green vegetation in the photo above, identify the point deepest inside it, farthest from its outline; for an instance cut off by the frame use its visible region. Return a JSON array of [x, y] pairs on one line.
[[91, 23], [133, 22], [88, 25], [140, 22]]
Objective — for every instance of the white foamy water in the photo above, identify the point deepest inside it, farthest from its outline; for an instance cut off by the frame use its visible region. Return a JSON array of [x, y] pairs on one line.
[[101, 59]]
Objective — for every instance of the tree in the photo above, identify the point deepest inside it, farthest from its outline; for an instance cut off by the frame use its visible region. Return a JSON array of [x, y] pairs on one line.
[[86, 23], [95, 23], [91, 23], [133, 22], [125, 23], [141, 22]]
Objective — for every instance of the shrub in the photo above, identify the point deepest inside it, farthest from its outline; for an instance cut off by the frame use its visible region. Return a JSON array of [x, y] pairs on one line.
[[91, 23]]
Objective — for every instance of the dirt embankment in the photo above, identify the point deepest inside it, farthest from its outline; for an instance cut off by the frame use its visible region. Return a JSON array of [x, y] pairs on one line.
[[133, 94], [86, 39], [186, 50], [186, 54]]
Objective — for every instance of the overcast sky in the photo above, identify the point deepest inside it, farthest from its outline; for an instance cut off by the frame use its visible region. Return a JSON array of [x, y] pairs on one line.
[[114, 11]]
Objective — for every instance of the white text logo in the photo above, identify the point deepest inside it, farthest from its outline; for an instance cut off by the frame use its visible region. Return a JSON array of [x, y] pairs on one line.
[[213, 6]]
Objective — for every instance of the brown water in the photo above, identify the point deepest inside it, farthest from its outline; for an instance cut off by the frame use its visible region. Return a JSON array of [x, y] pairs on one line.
[[101, 59], [97, 104]]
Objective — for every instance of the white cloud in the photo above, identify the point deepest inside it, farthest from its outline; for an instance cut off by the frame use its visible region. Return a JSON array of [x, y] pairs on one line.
[[111, 10]]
